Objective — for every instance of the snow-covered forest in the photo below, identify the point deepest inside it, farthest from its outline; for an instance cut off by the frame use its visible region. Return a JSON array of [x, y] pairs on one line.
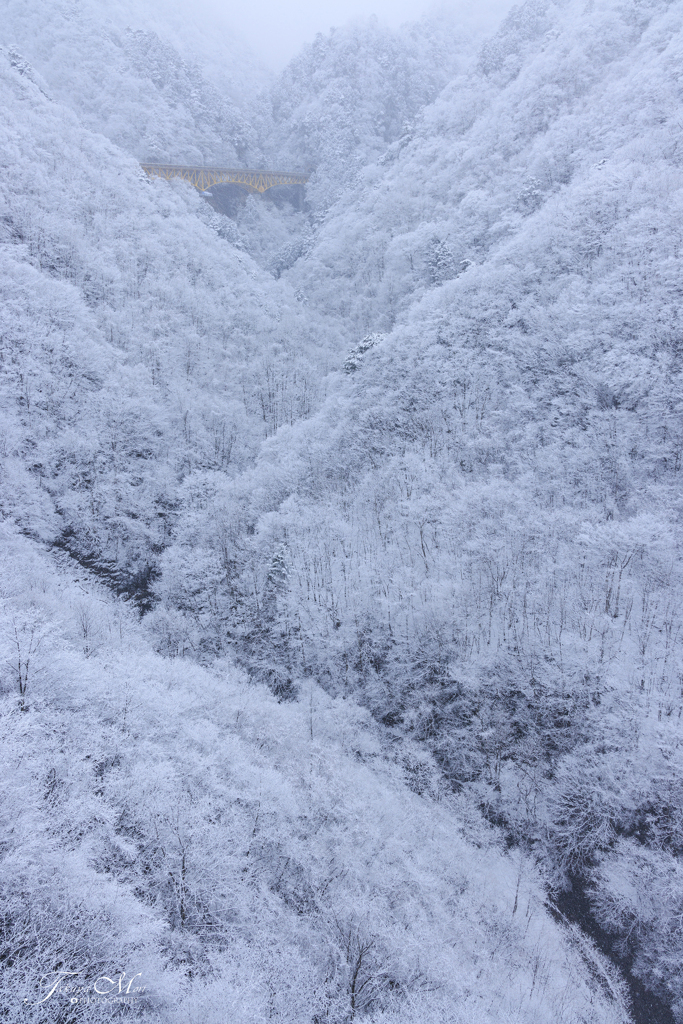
[[341, 530]]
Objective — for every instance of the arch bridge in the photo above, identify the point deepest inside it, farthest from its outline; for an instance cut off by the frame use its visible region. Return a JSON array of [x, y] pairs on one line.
[[204, 177]]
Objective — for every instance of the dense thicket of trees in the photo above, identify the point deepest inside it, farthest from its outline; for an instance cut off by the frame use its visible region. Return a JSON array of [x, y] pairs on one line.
[[249, 859], [138, 344], [136, 87], [395, 480]]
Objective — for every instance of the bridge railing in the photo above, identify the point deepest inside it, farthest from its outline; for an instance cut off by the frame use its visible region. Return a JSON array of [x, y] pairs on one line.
[[250, 179]]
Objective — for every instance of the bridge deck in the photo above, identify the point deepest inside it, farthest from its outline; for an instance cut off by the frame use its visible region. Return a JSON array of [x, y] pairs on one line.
[[247, 178]]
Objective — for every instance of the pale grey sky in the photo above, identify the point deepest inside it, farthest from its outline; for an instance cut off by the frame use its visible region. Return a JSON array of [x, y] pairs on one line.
[[276, 31]]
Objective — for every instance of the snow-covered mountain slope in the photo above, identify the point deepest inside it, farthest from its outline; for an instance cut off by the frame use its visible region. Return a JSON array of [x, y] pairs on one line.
[[479, 533], [349, 95], [335, 109], [138, 342], [561, 140], [129, 72], [242, 859]]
